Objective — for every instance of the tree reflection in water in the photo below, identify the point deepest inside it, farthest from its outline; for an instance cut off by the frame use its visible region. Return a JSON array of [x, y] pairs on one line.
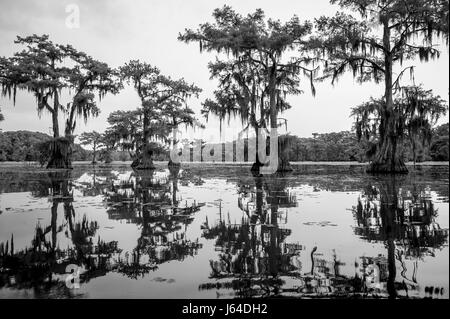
[[149, 199], [404, 220], [42, 266], [145, 199], [253, 257], [252, 253], [255, 260]]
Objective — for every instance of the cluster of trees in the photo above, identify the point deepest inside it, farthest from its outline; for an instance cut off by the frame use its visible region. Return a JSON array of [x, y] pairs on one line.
[[47, 70], [266, 59], [126, 131], [259, 63], [335, 146]]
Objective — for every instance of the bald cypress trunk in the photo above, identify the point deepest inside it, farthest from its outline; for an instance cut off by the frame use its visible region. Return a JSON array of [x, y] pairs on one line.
[[172, 164], [283, 157], [60, 148], [388, 158], [145, 161], [257, 164], [55, 122], [283, 160]]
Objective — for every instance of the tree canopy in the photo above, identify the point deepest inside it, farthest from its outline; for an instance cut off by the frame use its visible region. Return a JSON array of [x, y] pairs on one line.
[[389, 33], [93, 138], [125, 130], [416, 111], [88, 77], [46, 69], [260, 63], [267, 59], [161, 98]]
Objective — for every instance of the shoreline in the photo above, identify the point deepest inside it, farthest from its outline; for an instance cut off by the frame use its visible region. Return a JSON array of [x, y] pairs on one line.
[[306, 163]]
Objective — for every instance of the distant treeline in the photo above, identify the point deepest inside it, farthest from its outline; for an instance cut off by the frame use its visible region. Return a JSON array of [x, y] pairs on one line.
[[345, 146], [24, 146], [20, 146], [342, 146]]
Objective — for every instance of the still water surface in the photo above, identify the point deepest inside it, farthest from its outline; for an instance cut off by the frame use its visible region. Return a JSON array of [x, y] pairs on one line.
[[219, 232]]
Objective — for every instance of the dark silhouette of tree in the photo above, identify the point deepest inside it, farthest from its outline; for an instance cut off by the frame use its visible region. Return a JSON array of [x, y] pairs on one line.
[[125, 132], [416, 112], [154, 90], [88, 77], [42, 69], [390, 33], [259, 75]]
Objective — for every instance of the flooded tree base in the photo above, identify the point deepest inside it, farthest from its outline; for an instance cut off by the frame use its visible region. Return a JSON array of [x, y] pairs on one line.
[[146, 166], [60, 150], [144, 161], [58, 164], [256, 165], [283, 166], [172, 164], [387, 168], [388, 159], [143, 164]]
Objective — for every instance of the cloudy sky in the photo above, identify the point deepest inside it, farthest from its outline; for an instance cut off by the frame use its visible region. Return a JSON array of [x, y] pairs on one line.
[[116, 31]]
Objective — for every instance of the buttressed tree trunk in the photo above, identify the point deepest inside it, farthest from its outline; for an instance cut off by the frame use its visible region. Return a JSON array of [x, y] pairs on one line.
[[388, 158]]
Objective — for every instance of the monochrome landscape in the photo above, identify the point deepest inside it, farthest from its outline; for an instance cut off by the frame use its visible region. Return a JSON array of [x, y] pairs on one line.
[[211, 150]]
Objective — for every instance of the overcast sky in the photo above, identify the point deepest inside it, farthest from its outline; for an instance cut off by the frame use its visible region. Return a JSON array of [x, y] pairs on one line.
[[116, 31]]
